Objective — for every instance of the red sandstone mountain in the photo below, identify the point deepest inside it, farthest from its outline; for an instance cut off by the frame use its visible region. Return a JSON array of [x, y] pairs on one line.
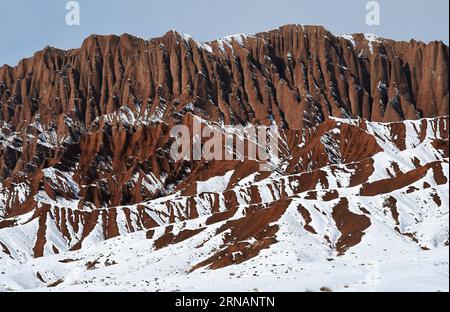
[[85, 139]]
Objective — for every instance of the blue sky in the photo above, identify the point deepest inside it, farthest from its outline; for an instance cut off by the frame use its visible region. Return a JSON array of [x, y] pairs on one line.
[[27, 26]]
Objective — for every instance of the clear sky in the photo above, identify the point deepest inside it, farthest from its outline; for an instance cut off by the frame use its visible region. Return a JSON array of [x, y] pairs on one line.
[[27, 26]]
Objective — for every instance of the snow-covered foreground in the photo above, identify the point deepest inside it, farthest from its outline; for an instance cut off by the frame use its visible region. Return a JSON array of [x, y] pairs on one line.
[[299, 261], [129, 263]]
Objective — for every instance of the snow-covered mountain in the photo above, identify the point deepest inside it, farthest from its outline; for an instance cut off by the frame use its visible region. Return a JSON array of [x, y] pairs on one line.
[[90, 199]]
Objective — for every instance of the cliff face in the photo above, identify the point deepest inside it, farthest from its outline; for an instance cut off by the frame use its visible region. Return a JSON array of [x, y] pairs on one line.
[[298, 74], [90, 128]]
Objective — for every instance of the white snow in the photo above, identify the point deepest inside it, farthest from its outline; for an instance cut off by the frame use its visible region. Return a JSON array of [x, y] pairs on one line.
[[215, 184], [371, 38], [349, 38]]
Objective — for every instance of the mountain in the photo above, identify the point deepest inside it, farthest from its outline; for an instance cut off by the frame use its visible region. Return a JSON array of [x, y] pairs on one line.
[[90, 198]]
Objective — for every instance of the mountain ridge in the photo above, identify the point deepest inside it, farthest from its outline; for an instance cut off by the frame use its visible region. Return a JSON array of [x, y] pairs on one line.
[[360, 34], [127, 39]]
